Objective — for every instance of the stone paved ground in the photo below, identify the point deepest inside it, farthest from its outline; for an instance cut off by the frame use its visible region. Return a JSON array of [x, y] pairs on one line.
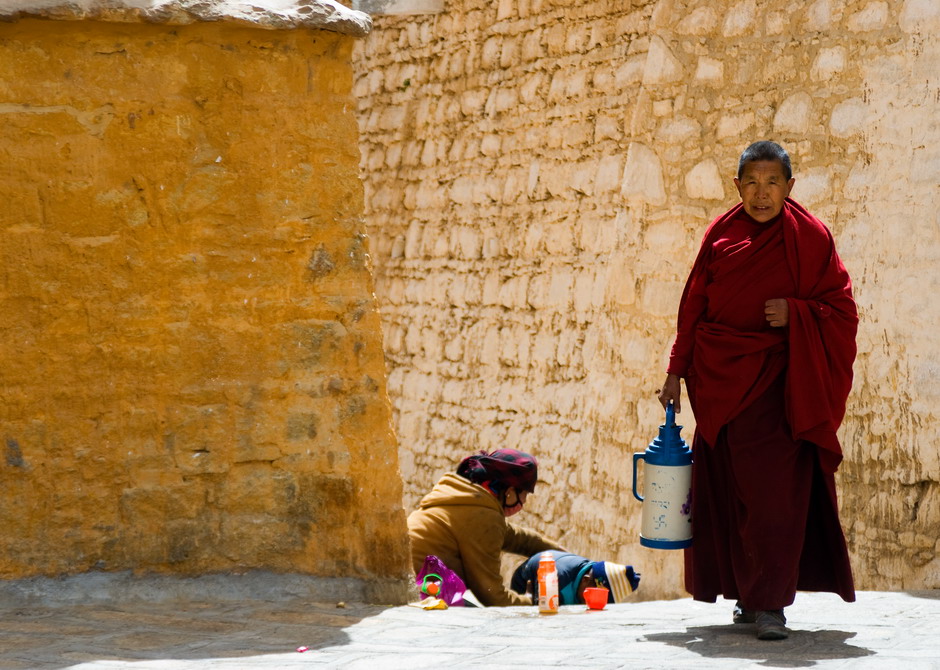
[[881, 630]]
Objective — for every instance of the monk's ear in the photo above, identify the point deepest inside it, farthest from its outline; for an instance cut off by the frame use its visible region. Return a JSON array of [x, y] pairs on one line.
[[790, 185], [737, 185]]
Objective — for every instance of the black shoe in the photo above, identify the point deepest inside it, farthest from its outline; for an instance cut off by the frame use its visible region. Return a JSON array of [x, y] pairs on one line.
[[742, 615], [771, 625]]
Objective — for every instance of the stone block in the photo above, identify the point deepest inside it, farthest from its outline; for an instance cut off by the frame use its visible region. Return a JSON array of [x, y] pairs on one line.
[[583, 293], [849, 117], [557, 89], [411, 153], [473, 293], [544, 348], [813, 186], [466, 242], [456, 64], [430, 196], [598, 234], [828, 63], [740, 19], [643, 176], [429, 153], [576, 41], [514, 188], [462, 190], [621, 287], [607, 127], [704, 181], [508, 347], [413, 340], [554, 37], [398, 7], [599, 290], [872, 17], [582, 178], [392, 118], [509, 54], [454, 348], [532, 88], [925, 166], [659, 297], [776, 23], [502, 100], [735, 125], [532, 46], [556, 179], [700, 21], [490, 53], [607, 176], [637, 351], [663, 238], [630, 72], [505, 10], [820, 16], [513, 292], [710, 70], [920, 17], [578, 84], [794, 114], [472, 101], [678, 130], [559, 238], [559, 290], [662, 66], [662, 108], [490, 350]]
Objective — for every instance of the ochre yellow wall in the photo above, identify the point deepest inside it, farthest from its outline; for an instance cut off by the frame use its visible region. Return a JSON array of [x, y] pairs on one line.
[[190, 352]]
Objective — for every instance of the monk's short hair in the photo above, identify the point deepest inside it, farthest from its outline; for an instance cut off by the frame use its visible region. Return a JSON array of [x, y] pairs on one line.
[[765, 150]]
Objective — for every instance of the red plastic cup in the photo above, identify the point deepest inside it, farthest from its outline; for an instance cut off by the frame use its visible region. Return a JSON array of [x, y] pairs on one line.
[[596, 597]]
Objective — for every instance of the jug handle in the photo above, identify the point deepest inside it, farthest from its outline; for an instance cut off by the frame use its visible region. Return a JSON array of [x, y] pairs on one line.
[[670, 415], [637, 457]]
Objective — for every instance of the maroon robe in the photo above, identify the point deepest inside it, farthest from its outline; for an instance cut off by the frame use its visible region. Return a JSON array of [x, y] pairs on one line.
[[767, 403]]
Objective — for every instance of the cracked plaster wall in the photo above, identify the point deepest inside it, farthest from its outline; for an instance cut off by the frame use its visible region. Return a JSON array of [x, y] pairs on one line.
[[191, 369]]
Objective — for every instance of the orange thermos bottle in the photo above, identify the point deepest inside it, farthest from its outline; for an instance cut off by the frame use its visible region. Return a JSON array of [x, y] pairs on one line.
[[548, 585]]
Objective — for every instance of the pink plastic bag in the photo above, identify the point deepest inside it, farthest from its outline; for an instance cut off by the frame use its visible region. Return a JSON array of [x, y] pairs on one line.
[[451, 587]]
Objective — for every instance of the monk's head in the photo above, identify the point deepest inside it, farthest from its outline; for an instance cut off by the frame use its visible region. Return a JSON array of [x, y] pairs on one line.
[[764, 180]]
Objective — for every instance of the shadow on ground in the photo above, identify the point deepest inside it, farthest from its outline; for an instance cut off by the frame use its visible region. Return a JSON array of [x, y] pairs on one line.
[[51, 638], [803, 649]]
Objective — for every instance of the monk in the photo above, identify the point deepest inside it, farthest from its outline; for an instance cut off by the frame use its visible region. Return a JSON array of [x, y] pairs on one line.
[[765, 342]]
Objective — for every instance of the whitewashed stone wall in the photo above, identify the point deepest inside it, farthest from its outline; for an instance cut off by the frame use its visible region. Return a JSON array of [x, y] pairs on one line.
[[539, 174]]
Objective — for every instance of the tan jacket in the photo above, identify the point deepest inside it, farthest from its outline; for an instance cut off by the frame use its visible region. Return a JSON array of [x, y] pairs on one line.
[[463, 525]]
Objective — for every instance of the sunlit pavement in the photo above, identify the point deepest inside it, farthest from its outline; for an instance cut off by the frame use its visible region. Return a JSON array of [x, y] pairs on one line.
[[881, 630]]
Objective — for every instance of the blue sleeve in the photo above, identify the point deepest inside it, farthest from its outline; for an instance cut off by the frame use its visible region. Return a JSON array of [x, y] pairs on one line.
[[526, 572]]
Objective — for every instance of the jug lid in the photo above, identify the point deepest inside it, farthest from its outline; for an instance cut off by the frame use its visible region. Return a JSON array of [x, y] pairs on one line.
[[668, 448]]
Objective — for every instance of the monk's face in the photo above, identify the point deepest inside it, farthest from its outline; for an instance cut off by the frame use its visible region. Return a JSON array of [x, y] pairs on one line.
[[763, 187]]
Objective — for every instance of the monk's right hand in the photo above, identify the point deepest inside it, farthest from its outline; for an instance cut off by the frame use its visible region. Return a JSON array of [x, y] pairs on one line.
[[671, 391]]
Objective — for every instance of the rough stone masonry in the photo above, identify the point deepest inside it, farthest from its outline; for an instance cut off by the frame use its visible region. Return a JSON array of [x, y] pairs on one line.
[[538, 176]]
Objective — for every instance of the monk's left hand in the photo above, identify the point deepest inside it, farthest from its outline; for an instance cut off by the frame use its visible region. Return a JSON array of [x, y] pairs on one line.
[[777, 312]]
